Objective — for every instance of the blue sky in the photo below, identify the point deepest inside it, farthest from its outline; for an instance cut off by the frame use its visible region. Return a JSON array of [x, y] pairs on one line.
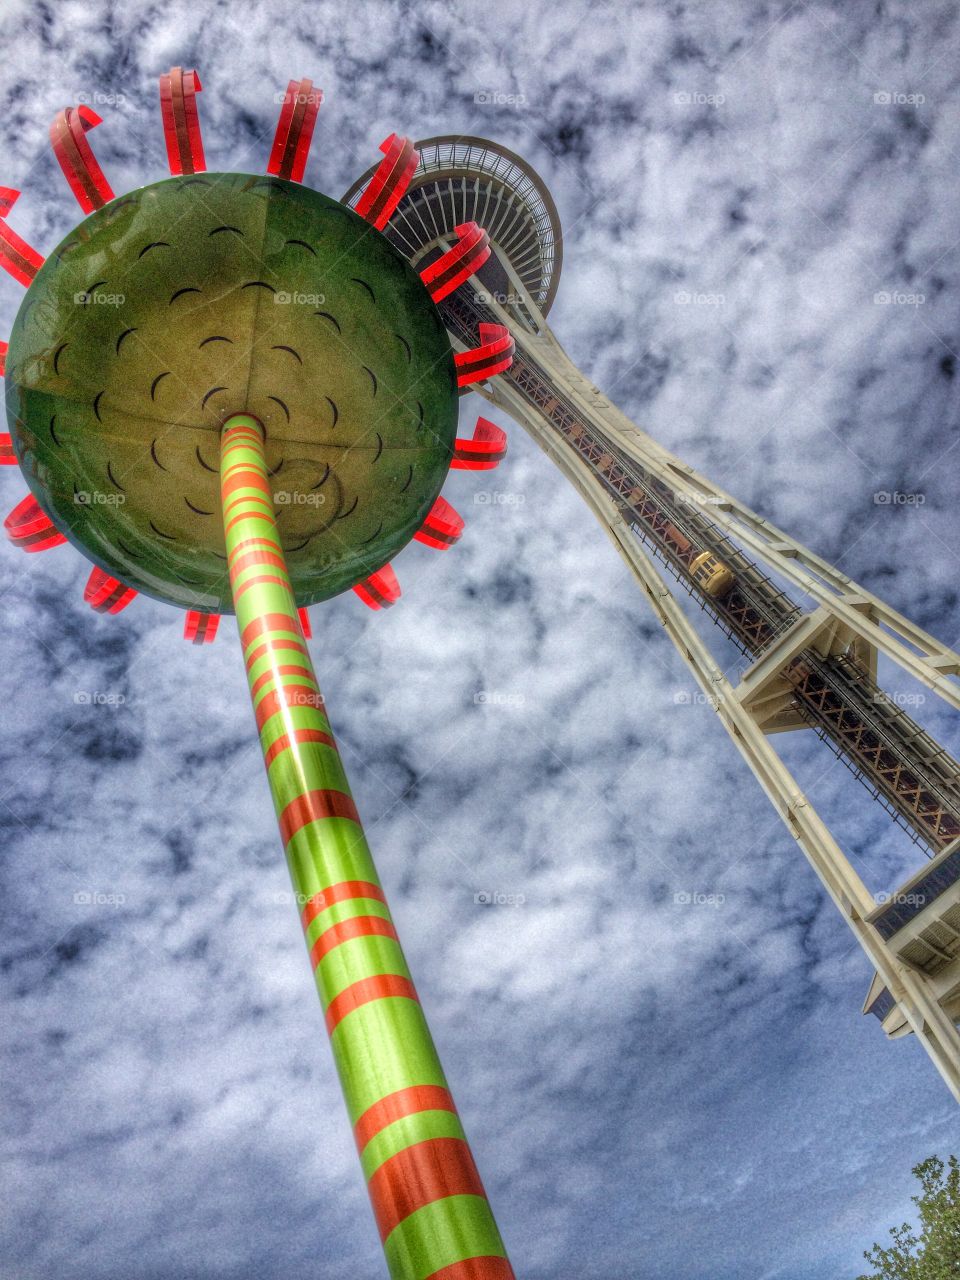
[[652, 1089]]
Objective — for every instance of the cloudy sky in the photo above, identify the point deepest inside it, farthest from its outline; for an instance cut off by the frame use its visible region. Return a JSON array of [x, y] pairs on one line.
[[653, 1089]]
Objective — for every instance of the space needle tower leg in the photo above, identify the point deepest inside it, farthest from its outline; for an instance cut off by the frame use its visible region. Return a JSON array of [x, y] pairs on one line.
[[434, 1219]]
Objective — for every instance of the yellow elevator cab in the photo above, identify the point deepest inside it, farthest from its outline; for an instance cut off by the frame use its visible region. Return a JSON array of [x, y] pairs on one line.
[[713, 577]]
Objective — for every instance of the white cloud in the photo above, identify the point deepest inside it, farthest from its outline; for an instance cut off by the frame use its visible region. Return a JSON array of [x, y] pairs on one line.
[[647, 1083]]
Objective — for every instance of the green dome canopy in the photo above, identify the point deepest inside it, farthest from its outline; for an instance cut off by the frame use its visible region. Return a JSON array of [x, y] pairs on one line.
[[202, 296]]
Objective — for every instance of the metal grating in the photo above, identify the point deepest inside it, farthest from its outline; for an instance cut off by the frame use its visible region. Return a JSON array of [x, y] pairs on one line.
[[912, 776], [470, 179]]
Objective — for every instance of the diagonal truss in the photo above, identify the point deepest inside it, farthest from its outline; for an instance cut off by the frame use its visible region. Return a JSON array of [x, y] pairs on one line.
[[678, 531]]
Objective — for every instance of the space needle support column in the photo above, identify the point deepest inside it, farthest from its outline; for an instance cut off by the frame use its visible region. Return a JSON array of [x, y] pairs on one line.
[[434, 1219]]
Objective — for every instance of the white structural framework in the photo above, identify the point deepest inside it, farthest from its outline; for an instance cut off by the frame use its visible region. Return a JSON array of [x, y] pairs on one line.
[[811, 668]]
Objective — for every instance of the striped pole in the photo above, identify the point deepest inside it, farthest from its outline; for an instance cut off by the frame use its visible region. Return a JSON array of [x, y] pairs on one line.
[[434, 1219]]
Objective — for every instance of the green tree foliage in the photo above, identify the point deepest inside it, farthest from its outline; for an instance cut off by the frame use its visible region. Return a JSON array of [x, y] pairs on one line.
[[932, 1250]]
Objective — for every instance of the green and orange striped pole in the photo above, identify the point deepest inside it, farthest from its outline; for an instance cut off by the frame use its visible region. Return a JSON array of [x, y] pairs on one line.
[[434, 1218]]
